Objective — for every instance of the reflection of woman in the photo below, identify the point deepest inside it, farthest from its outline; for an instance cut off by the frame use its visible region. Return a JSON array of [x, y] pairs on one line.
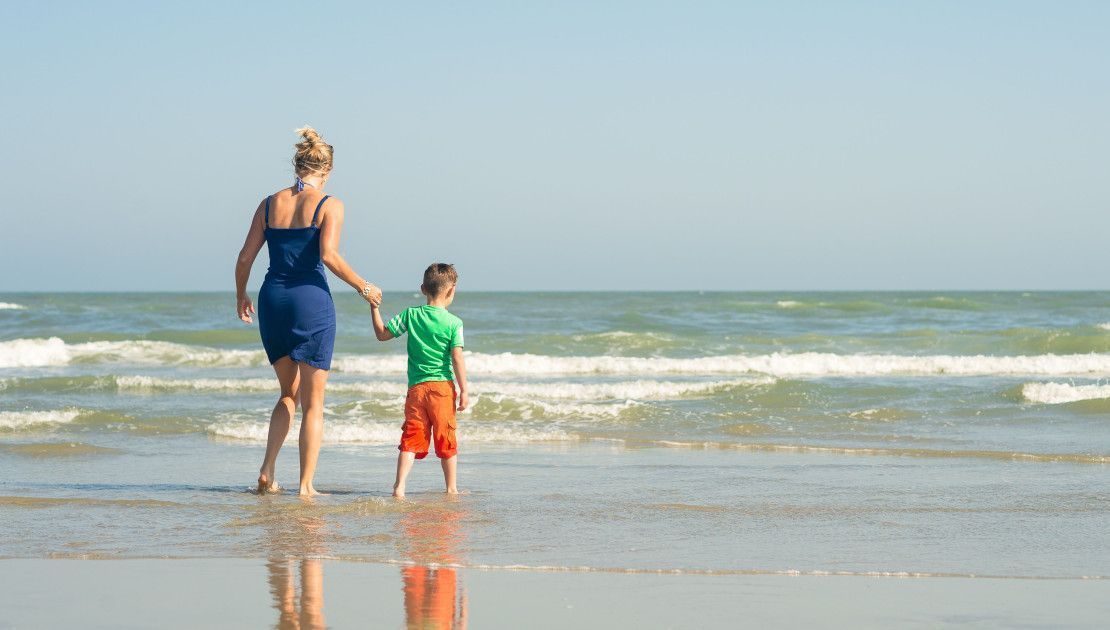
[[282, 587], [291, 534], [433, 598], [296, 316]]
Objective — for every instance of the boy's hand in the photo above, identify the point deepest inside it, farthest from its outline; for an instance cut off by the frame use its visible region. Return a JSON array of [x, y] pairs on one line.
[[464, 400], [373, 294]]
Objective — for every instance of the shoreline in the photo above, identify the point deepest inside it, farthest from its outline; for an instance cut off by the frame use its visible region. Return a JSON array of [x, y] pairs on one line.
[[584, 570]]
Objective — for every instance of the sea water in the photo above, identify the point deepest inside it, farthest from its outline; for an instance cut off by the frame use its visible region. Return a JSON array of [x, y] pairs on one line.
[[956, 434]]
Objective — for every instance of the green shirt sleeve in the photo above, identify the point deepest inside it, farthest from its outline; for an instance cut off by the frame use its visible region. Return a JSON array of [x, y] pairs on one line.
[[457, 337], [399, 324]]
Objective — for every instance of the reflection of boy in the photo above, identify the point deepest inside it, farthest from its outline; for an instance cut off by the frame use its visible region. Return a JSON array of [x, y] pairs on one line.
[[435, 347], [430, 598], [434, 596]]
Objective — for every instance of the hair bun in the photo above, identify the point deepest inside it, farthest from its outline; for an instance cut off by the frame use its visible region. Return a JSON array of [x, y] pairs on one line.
[[312, 155], [309, 134]]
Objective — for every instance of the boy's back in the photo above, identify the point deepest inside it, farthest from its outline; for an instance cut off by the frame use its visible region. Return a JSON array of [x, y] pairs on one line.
[[433, 332]]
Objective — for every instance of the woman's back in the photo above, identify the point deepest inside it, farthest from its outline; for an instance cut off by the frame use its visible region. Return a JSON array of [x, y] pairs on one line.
[[291, 221], [291, 209]]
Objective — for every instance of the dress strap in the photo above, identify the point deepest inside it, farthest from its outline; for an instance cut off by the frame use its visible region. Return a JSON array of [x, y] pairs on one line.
[[266, 220], [318, 206]]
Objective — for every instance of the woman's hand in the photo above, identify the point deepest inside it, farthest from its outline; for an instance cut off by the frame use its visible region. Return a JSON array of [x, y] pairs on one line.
[[246, 308], [373, 295]]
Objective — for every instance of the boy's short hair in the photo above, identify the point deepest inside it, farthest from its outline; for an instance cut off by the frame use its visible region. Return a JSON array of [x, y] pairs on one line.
[[438, 277]]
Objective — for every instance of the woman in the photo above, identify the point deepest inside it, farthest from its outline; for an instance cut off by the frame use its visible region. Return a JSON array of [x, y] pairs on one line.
[[296, 315]]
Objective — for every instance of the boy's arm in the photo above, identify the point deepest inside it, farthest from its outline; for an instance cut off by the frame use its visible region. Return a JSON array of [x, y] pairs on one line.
[[380, 331], [459, 365]]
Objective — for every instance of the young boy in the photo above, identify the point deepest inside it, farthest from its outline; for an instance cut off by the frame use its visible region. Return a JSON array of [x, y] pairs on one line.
[[435, 347]]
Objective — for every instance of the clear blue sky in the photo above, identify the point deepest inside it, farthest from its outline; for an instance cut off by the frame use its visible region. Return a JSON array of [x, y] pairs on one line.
[[601, 145]]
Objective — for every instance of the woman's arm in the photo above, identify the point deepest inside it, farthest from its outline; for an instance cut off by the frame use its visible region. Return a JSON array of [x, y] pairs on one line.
[[255, 238], [331, 226]]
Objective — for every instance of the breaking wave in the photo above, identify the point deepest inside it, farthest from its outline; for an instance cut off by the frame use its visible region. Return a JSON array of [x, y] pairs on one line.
[[1060, 393], [17, 420], [53, 352]]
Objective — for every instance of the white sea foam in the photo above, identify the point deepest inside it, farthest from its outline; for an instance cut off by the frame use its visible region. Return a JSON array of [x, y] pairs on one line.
[[55, 352], [788, 304], [815, 364], [23, 419], [162, 353], [1059, 393], [49, 352], [567, 409], [349, 432], [8, 306], [639, 390], [151, 383], [1104, 325], [33, 352]]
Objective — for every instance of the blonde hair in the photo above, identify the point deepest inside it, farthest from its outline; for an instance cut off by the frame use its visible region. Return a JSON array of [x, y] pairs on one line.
[[313, 154]]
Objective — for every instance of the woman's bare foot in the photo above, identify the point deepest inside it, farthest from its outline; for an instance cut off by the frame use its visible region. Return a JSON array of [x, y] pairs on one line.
[[266, 485], [399, 492], [309, 491]]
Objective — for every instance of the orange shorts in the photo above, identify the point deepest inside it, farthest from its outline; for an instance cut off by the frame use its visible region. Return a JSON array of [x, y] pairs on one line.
[[430, 408]]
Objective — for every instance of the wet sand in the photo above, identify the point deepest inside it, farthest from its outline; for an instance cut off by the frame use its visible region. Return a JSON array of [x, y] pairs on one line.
[[308, 593]]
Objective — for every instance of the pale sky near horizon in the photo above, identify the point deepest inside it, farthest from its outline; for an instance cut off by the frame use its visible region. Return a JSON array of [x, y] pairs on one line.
[[608, 145]]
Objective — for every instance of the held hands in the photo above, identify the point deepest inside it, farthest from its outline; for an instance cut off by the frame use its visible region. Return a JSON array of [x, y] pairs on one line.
[[245, 309], [464, 400], [372, 294]]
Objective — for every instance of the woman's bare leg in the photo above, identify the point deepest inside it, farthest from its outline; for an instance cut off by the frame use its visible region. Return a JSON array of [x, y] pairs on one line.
[[313, 380], [280, 421]]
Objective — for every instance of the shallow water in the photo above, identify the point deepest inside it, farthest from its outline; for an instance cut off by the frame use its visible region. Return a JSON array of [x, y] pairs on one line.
[[961, 434]]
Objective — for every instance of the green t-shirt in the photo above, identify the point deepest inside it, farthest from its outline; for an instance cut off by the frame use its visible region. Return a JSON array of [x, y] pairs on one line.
[[433, 332]]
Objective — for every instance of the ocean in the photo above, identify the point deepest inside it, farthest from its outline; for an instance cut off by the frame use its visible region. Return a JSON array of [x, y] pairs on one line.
[[960, 434]]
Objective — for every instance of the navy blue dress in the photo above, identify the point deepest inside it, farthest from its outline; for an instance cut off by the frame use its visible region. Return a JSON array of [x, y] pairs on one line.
[[296, 315]]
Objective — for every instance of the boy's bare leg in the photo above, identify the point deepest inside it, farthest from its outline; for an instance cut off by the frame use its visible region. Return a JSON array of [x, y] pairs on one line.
[[449, 467], [404, 465], [313, 381], [281, 419]]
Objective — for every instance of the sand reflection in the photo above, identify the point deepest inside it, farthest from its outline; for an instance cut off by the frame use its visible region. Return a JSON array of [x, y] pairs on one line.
[[432, 537]]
